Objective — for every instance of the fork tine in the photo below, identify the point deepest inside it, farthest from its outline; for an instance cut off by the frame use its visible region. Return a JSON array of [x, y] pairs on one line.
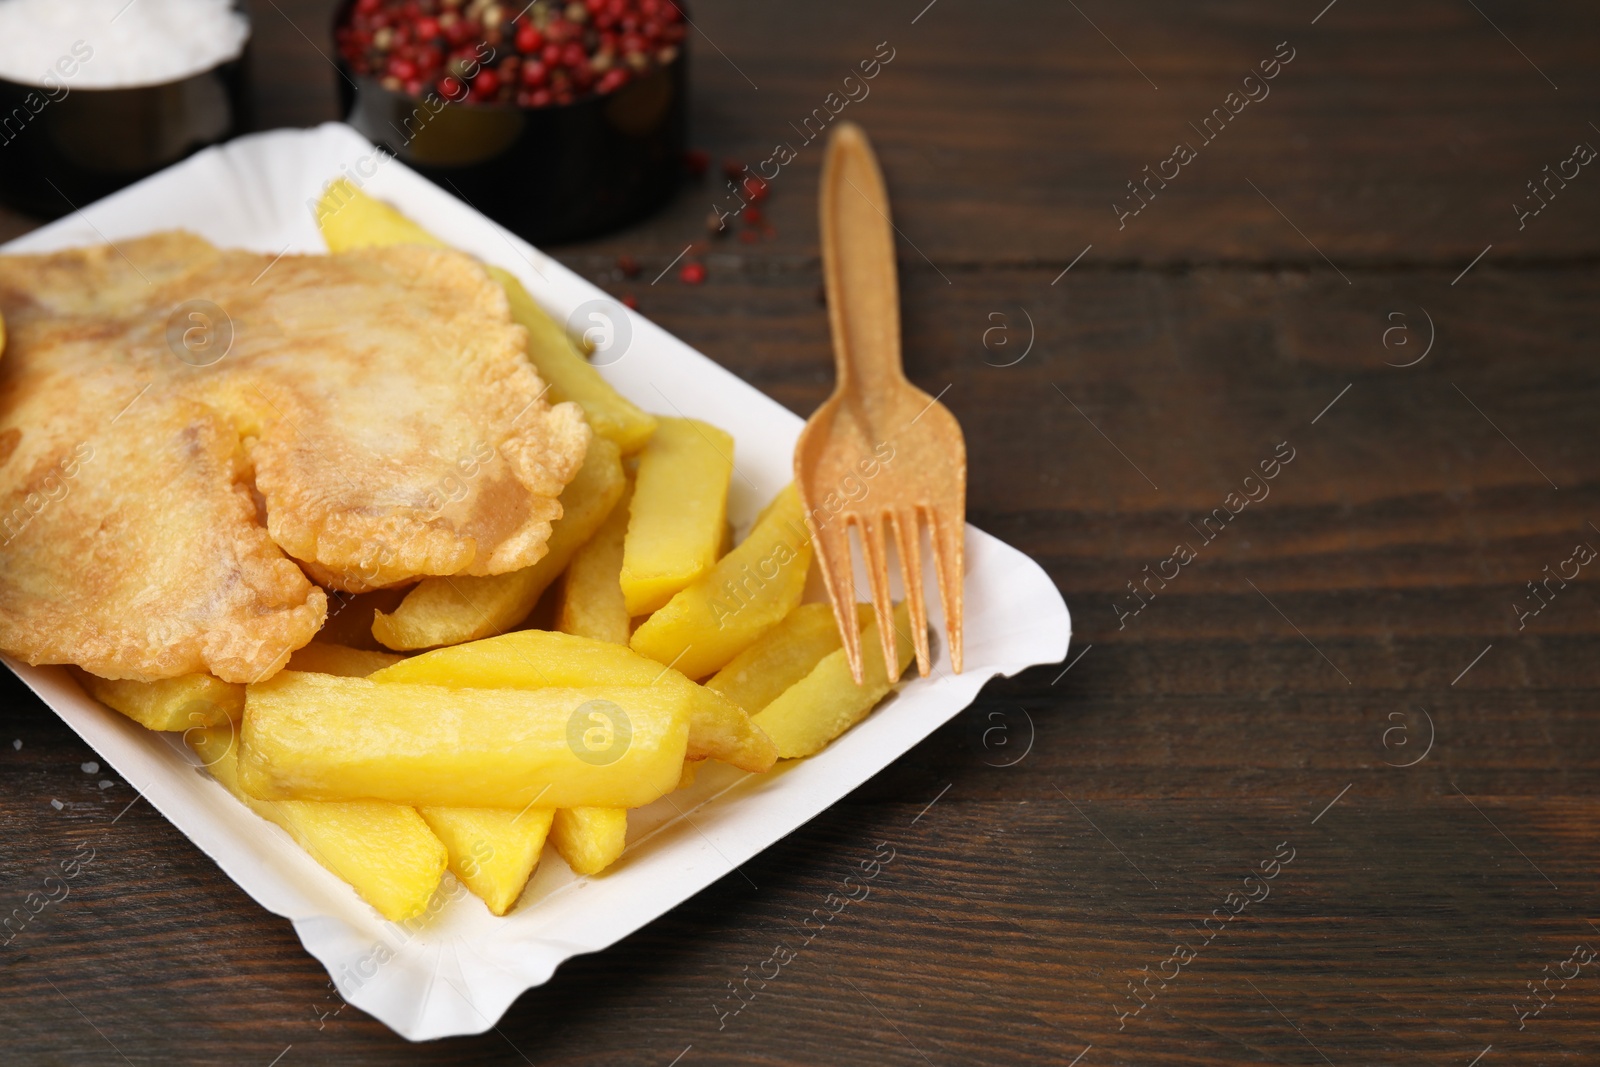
[[831, 541], [948, 548], [872, 542], [908, 539]]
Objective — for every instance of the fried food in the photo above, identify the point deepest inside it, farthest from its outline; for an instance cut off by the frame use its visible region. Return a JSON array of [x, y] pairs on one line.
[[783, 655], [181, 703], [678, 512], [385, 851], [748, 592], [164, 463], [590, 839], [591, 603], [316, 737], [492, 850], [539, 659], [827, 702]]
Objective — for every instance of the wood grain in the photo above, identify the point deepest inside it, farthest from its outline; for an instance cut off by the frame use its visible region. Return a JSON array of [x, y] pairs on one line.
[[1082, 823]]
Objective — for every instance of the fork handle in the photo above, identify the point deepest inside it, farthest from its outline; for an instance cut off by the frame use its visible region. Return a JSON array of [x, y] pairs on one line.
[[858, 265]]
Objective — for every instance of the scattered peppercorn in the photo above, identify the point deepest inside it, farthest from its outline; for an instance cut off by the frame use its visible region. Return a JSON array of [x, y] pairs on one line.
[[628, 266], [693, 273], [630, 302]]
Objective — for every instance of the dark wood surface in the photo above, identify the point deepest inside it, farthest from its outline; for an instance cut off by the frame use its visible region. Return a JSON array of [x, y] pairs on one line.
[[1360, 617]]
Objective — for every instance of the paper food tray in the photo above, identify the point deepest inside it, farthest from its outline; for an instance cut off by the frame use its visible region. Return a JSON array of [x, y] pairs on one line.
[[459, 971]]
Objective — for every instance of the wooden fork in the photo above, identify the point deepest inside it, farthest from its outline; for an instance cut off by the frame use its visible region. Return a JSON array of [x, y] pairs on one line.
[[880, 452]]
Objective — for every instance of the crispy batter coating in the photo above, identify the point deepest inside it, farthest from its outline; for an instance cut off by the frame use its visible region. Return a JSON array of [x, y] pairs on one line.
[[374, 417]]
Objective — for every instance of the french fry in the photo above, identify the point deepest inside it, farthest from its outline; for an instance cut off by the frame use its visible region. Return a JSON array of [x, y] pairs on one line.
[[572, 377], [591, 591], [746, 593], [316, 737], [589, 839], [349, 218], [493, 851], [320, 657], [384, 851], [448, 611], [827, 702], [680, 503], [539, 659], [180, 703], [783, 656]]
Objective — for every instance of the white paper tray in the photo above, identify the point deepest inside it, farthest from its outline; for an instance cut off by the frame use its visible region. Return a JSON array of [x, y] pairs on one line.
[[459, 972]]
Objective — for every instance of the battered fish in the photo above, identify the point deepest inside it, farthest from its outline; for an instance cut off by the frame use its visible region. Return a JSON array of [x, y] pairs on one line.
[[178, 421]]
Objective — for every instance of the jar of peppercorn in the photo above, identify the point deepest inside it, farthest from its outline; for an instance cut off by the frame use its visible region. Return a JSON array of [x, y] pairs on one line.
[[560, 119]]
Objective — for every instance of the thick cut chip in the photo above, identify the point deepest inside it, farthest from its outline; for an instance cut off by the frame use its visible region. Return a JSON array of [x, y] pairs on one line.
[[181, 703], [571, 376], [827, 702], [783, 655], [176, 420], [539, 659], [316, 737], [591, 591], [493, 851], [590, 839], [351, 219], [320, 657], [747, 593], [680, 503], [448, 611], [385, 851]]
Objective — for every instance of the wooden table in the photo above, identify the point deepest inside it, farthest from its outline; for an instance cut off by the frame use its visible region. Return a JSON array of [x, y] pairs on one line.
[[1350, 670]]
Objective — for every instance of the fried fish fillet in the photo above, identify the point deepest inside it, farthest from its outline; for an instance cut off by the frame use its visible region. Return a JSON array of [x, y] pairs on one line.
[[180, 425]]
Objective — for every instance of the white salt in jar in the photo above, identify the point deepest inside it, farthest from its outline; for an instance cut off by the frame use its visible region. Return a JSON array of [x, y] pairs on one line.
[[95, 94]]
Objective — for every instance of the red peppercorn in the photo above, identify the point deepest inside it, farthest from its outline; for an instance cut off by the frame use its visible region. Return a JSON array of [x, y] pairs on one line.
[[755, 188], [574, 56], [449, 87], [529, 40], [539, 98], [612, 80], [693, 273], [551, 55], [427, 29], [752, 216], [367, 7], [628, 266], [403, 68], [630, 302], [486, 84], [534, 73], [733, 169]]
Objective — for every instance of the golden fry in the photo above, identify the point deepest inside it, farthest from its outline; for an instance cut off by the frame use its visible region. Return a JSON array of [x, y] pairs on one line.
[[591, 591], [827, 702], [492, 850], [537, 659], [783, 656], [590, 839], [747, 593], [181, 703], [385, 851], [571, 376], [316, 737], [680, 503]]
